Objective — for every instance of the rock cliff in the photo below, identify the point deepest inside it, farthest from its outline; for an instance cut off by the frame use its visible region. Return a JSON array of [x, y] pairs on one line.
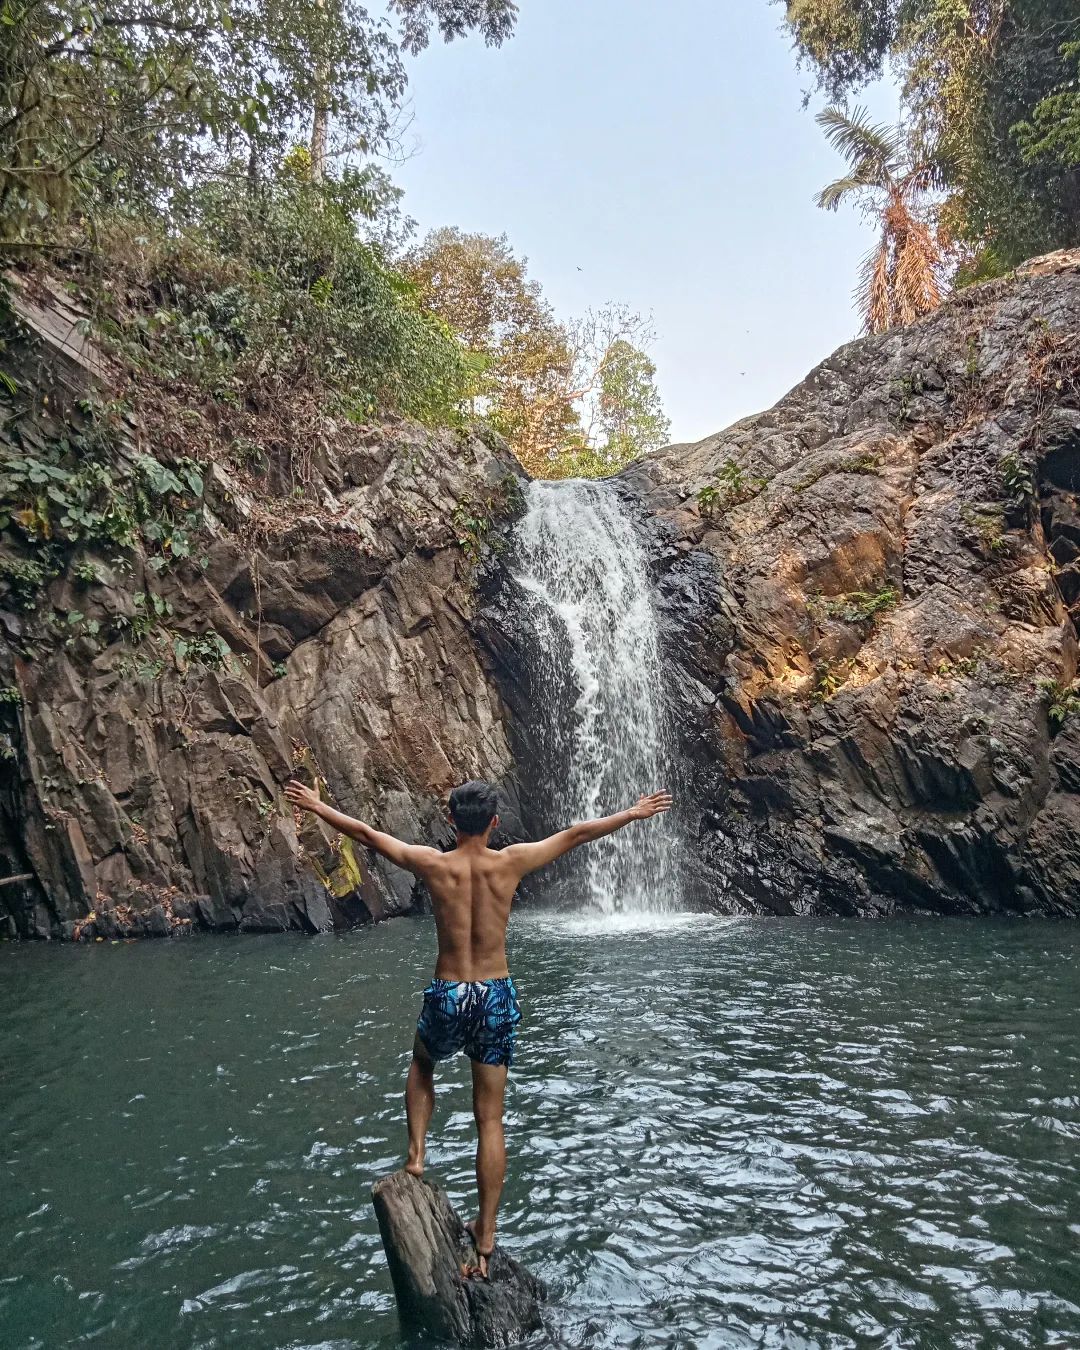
[[150, 717], [869, 594]]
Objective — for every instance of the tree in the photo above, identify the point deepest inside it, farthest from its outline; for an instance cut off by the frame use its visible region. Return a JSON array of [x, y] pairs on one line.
[[134, 105], [1052, 135], [569, 397], [903, 276], [91, 101], [494, 19], [973, 74], [629, 417], [476, 285], [632, 416], [339, 32]]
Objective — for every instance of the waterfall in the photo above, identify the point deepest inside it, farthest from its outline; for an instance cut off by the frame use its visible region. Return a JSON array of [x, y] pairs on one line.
[[597, 690]]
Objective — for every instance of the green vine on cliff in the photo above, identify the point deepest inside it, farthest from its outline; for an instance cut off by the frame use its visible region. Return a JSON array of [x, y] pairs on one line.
[[906, 389], [1018, 481], [474, 522], [77, 490], [76, 480], [472, 526], [733, 487], [861, 606], [1062, 700], [26, 576], [828, 680]]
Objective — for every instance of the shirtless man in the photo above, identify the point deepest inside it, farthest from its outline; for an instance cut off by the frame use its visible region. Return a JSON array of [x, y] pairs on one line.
[[471, 1004]]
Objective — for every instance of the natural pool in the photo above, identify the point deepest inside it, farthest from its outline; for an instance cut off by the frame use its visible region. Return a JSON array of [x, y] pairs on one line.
[[723, 1133]]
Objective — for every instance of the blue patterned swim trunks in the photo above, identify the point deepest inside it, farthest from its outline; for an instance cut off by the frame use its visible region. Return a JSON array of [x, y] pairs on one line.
[[480, 1018]]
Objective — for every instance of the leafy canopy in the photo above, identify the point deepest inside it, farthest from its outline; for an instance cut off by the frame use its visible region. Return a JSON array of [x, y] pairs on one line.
[[573, 398], [131, 104]]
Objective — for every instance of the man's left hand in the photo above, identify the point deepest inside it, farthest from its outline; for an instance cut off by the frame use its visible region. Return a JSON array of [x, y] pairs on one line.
[[304, 798]]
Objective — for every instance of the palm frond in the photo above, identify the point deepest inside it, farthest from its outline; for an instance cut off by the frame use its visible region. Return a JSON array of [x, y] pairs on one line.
[[872, 294], [871, 148], [830, 197], [919, 180]]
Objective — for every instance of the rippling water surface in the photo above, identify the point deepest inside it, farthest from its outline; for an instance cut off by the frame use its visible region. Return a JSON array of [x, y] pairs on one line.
[[723, 1133]]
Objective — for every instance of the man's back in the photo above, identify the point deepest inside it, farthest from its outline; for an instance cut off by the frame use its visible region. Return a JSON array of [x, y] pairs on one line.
[[472, 890]]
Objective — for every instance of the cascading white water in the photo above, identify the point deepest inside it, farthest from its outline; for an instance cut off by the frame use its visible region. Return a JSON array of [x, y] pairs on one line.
[[597, 685]]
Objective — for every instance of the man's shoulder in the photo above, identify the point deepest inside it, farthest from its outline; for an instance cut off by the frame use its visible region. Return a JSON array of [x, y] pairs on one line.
[[502, 858], [425, 860], [427, 857]]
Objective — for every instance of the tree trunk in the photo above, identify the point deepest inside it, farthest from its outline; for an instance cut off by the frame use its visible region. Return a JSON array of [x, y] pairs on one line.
[[320, 118], [319, 125], [427, 1247]]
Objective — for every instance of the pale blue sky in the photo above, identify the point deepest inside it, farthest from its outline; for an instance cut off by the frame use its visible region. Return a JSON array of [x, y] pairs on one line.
[[663, 149]]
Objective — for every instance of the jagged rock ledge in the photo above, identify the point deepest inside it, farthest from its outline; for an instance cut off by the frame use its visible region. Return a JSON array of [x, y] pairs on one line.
[[143, 798]]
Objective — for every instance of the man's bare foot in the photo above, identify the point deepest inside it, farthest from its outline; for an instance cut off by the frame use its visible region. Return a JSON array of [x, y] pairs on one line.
[[484, 1247], [414, 1166]]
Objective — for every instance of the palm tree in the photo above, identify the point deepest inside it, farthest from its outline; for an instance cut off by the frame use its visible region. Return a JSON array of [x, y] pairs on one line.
[[904, 274]]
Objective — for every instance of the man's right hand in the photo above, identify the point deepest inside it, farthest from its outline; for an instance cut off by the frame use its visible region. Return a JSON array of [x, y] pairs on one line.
[[654, 805]]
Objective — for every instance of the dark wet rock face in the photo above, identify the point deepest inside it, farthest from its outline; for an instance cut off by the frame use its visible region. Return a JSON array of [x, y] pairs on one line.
[[142, 795], [864, 608]]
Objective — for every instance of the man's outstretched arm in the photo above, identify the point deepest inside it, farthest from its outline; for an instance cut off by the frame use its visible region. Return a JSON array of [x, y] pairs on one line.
[[410, 856], [527, 858]]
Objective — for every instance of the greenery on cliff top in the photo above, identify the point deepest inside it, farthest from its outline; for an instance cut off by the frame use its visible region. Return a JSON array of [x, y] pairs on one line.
[[207, 175], [573, 399]]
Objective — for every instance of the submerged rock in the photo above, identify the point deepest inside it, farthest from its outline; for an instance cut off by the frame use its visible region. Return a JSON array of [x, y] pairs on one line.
[[869, 597]]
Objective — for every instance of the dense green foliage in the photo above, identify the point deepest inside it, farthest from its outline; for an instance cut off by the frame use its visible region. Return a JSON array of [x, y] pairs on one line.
[[279, 289], [163, 140], [214, 169], [131, 105], [990, 97]]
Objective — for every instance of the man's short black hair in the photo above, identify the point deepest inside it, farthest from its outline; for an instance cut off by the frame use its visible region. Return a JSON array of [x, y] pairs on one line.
[[473, 806]]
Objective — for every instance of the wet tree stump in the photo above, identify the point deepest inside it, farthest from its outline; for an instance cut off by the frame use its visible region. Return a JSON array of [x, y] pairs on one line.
[[428, 1248]]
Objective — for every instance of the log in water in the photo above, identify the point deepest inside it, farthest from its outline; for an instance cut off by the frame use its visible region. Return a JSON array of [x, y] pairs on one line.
[[427, 1247]]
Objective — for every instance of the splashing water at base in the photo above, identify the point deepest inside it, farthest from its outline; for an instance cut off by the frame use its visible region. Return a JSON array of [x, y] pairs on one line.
[[597, 681]]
